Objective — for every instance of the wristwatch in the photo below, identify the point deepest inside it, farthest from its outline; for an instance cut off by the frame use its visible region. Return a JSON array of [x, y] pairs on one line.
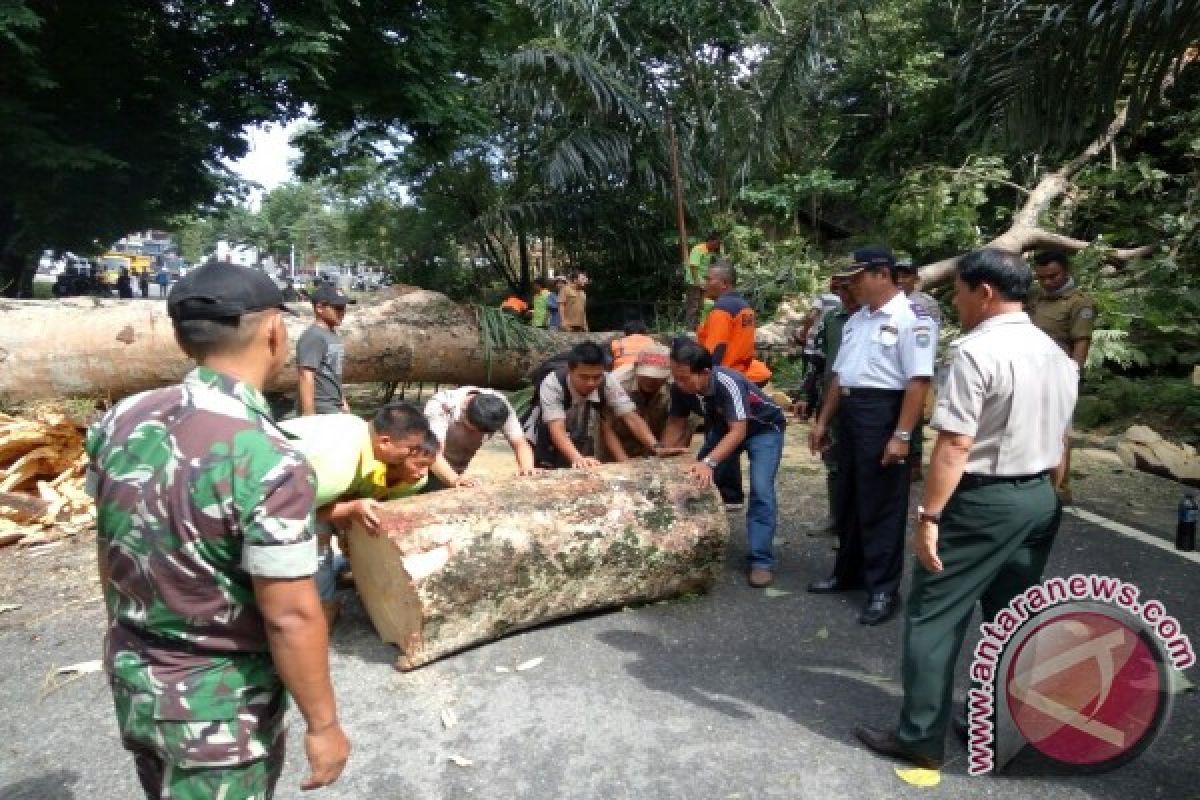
[[708, 462], [928, 516], [904, 436]]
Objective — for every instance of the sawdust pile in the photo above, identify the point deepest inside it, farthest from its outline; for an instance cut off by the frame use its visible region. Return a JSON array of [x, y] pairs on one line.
[[42, 496]]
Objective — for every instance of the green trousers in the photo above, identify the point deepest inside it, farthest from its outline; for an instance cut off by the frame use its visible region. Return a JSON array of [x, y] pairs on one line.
[[993, 541]]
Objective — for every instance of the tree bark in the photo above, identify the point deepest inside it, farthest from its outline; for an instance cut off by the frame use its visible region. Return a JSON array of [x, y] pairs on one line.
[[113, 348], [458, 568]]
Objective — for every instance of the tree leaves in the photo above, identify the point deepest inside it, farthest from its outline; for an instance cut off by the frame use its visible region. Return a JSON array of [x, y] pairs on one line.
[[1052, 75]]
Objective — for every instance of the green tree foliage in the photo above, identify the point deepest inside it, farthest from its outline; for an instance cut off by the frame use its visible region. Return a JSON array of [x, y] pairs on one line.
[[115, 120], [498, 131]]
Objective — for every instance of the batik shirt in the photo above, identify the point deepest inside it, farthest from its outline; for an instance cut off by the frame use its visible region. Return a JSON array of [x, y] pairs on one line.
[[196, 492]]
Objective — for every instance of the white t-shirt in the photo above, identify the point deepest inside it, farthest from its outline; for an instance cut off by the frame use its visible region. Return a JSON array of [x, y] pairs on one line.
[[446, 412]]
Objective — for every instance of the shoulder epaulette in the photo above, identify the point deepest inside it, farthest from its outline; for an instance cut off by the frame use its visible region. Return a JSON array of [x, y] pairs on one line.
[[920, 311]]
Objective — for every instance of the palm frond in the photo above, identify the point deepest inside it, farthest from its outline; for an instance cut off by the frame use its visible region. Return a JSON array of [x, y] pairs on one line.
[[502, 332], [1054, 75], [549, 77], [586, 155], [794, 73]]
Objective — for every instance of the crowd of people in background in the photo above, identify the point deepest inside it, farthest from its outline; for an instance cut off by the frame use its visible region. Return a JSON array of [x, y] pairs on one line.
[[557, 303]]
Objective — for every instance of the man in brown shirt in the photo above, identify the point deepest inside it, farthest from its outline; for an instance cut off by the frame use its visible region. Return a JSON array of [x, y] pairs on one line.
[[572, 303], [1064, 313], [1067, 316], [645, 381]]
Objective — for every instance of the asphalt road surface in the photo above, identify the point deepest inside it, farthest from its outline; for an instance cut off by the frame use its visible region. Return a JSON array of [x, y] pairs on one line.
[[738, 694]]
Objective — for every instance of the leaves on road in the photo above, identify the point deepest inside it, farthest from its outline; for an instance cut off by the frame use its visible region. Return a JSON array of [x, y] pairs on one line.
[[82, 668], [923, 778]]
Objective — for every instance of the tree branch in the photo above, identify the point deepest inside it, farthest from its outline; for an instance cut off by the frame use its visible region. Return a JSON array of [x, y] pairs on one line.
[[1040, 239], [1024, 239], [1026, 232]]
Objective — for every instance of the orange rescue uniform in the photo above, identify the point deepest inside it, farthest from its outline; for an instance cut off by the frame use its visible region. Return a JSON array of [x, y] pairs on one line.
[[625, 350], [728, 333], [515, 304]]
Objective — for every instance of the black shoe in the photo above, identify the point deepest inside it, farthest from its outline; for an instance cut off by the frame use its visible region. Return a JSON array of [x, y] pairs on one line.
[[880, 608], [885, 743], [832, 585]]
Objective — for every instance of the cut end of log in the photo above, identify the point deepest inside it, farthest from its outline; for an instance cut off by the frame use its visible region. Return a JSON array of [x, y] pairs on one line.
[[457, 568]]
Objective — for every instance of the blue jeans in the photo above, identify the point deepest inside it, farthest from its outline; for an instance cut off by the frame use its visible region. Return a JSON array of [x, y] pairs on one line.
[[329, 564], [764, 450]]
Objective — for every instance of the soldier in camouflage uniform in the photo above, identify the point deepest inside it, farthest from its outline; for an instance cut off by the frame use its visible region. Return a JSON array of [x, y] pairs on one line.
[[206, 552], [1068, 316]]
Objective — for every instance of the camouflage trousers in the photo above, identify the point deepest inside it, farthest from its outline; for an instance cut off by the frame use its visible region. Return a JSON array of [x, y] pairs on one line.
[[229, 759]]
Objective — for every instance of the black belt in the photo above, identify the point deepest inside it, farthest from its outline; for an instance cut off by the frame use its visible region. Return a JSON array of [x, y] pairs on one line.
[[850, 391], [971, 481]]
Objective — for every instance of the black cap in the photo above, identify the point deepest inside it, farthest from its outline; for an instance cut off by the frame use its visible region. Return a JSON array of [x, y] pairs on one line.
[[868, 258], [223, 291], [328, 295]]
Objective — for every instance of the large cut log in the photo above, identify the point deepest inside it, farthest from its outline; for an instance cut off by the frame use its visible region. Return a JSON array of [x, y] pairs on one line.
[[113, 348], [458, 568]]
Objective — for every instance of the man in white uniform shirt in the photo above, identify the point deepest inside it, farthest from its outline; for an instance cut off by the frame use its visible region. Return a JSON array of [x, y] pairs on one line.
[[989, 514], [879, 382]]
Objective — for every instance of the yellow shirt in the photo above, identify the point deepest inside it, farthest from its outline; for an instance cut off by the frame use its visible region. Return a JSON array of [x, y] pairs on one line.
[[338, 447], [700, 258]]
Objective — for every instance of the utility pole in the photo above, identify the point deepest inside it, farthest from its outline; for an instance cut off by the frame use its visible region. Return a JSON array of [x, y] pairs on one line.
[[677, 182]]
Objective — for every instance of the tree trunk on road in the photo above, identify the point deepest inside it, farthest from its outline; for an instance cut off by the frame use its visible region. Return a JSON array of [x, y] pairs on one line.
[[113, 348], [457, 568]]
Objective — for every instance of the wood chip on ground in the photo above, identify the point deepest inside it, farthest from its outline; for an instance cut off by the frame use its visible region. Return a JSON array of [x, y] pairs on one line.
[[42, 464]]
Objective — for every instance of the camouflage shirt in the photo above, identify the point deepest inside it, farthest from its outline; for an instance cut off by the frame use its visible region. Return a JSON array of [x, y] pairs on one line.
[[196, 491]]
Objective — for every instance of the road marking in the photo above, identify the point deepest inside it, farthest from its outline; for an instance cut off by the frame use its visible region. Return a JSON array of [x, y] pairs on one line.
[[1132, 533]]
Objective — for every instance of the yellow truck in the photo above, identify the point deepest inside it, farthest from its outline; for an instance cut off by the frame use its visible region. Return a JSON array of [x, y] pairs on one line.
[[111, 263]]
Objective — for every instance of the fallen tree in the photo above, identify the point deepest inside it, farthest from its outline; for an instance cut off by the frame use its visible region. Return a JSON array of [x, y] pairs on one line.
[[1026, 232], [113, 348], [458, 568]]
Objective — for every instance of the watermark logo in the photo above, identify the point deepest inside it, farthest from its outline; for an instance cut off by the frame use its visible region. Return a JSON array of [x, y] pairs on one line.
[[1086, 682]]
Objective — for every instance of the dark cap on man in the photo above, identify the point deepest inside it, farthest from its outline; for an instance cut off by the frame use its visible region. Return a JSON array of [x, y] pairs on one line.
[[218, 291], [871, 258], [328, 295]]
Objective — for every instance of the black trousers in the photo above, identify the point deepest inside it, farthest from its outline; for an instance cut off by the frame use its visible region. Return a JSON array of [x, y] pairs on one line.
[[840, 488], [874, 498]]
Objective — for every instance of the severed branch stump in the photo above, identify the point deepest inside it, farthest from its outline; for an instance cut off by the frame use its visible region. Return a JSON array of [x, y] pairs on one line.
[[460, 567]]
